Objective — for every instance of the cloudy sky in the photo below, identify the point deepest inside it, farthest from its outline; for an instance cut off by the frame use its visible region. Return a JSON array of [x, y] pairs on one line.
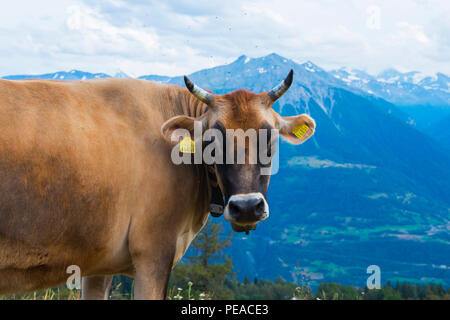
[[176, 37]]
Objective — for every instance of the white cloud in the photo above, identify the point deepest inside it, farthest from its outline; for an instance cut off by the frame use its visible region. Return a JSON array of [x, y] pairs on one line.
[[90, 33], [182, 36], [407, 30]]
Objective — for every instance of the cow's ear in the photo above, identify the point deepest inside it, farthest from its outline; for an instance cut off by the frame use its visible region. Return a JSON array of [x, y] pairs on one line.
[[297, 129], [177, 127]]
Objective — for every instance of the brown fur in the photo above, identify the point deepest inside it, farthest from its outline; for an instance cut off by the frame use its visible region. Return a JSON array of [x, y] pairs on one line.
[[242, 109], [86, 179]]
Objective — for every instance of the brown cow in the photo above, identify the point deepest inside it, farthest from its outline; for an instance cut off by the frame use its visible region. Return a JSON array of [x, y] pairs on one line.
[[86, 179]]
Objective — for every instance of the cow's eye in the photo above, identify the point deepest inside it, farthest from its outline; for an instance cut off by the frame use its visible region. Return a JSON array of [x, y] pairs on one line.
[[269, 143], [269, 148], [264, 152], [265, 148]]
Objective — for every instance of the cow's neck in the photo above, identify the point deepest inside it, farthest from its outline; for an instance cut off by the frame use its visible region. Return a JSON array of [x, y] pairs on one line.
[[178, 101]]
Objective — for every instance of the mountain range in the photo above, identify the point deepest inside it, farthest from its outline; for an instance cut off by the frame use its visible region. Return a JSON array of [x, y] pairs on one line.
[[410, 88], [372, 187]]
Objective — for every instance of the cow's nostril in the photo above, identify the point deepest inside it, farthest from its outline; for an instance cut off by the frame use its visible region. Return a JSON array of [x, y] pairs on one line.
[[247, 208], [234, 209], [260, 207]]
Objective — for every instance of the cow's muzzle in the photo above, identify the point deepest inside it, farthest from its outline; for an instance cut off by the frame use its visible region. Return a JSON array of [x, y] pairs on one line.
[[245, 210]]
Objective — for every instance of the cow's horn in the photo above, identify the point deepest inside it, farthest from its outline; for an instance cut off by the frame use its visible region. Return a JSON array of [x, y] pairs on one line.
[[280, 89], [200, 93]]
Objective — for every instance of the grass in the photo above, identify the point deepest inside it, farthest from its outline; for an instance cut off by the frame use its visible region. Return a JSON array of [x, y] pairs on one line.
[[63, 293], [60, 293]]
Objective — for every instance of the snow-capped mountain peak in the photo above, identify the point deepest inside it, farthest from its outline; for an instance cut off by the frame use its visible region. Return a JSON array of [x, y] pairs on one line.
[[408, 88], [311, 67], [121, 74]]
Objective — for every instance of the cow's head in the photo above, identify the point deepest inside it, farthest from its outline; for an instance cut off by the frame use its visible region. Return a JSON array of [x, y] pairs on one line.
[[243, 183]]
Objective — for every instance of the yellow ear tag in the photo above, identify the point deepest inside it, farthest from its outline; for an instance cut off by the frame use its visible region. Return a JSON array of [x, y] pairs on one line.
[[187, 145], [300, 130]]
